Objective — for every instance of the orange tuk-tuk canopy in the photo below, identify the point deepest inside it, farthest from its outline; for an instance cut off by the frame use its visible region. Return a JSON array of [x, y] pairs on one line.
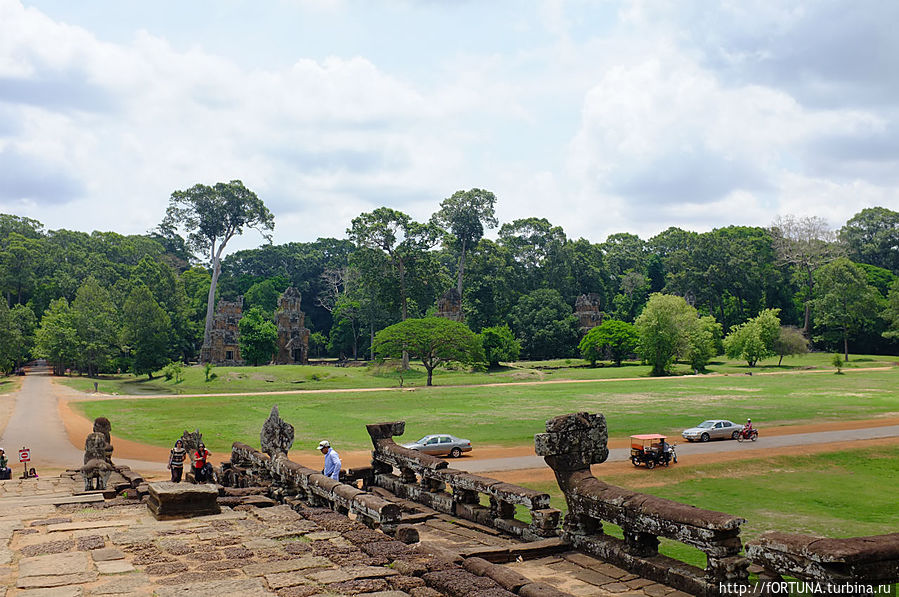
[[637, 440]]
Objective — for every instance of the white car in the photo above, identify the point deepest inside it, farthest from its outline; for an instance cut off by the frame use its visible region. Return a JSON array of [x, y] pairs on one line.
[[712, 429]]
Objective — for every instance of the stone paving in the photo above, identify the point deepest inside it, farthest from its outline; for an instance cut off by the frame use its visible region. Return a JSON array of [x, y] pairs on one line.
[[55, 543]]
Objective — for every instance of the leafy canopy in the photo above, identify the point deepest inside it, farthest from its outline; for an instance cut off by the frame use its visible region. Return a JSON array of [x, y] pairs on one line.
[[258, 337], [434, 340], [615, 338]]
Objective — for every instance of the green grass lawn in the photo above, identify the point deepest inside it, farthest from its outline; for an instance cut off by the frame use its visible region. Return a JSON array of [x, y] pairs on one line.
[[318, 377], [510, 415], [836, 494]]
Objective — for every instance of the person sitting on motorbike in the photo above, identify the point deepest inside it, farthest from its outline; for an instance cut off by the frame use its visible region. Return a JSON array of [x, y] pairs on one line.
[[747, 428], [665, 451]]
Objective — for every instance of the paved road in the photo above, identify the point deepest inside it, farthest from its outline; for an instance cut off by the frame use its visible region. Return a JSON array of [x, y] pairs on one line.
[[35, 423], [690, 451]]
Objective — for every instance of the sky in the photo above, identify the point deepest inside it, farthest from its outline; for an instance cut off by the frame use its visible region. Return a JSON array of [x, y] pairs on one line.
[[601, 116]]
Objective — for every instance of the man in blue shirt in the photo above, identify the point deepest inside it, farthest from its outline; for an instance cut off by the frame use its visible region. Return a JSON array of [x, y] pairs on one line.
[[332, 460]]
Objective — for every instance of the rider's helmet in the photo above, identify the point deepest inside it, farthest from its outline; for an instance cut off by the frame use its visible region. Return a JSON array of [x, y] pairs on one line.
[[749, 420]]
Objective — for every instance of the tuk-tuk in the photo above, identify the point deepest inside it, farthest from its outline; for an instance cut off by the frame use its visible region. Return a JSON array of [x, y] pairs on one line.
[[651, 449]]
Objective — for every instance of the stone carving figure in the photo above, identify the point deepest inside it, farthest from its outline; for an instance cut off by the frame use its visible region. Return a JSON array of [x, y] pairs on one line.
[[192, 440], [97, 455], [276, 436]]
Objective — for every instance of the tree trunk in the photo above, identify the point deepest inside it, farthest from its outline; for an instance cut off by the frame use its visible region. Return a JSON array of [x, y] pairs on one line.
[[808, 302], [846, 344], [461, 269], [210, 301], [430, 372]]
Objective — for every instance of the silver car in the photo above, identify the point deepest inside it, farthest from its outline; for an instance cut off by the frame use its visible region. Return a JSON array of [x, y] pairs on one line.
[[712, 429], [440, 444]]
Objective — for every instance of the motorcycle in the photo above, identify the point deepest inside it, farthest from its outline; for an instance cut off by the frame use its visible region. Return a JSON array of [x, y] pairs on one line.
[[747, 434]]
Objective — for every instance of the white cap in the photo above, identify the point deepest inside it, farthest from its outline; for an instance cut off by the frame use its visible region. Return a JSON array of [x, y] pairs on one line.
[[324, 444]]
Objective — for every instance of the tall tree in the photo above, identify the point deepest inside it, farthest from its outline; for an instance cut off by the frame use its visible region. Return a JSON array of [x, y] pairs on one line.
[[545, 325], [669, 327], [145, 330], [403, 241], [212, 216], [806, 243], [846, 302], [465, 214], [57, 338], [94, 316], [891, 313], [24, 322], [401, 238], [872, 236]]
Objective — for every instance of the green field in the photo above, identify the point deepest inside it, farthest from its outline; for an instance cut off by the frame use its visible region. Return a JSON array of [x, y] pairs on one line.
[[836, 494], [509, 414], [322, 377]]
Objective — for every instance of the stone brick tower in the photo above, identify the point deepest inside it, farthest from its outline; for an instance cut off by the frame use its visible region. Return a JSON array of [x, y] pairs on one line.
[[223, 348], [293, 336]]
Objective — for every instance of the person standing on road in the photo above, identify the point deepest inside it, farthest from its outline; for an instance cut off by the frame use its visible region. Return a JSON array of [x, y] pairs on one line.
[[332, 460], [176, 461]]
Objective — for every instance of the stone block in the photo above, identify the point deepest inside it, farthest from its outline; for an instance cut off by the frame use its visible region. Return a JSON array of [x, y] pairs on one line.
[[114, 566], [246, 587], [169, 500]]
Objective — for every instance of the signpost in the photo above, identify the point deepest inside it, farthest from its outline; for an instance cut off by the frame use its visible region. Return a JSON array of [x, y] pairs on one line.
[[25, 457]]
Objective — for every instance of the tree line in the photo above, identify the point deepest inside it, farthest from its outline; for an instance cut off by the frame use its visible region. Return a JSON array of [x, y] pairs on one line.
[[105, 302]]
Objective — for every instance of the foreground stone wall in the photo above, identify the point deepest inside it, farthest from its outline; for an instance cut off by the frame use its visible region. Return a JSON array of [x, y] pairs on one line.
[[424, 479], [873, 560], [575, 441], [249, 466]]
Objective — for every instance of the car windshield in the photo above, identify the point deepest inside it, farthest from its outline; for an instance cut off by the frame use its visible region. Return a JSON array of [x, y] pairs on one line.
[[706, 424]]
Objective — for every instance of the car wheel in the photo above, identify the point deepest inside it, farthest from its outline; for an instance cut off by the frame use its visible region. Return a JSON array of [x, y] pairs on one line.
[[455, 452], [650, 464], [735, 435], [704, 437]]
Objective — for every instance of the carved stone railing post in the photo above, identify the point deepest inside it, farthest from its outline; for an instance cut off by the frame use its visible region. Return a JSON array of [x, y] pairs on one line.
[[575, 441], [570, 445]]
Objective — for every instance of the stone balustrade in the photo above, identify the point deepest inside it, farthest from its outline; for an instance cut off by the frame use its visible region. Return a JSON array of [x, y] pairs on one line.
[[871, 560], [575, 441], [424, 479], [293, 480]]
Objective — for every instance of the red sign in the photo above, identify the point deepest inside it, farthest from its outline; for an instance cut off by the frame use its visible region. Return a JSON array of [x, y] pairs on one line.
[[24, 455]]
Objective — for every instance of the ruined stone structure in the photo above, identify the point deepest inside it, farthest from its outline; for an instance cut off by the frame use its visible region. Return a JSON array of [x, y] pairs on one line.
[[293, 335], [404, 492], [449, 306], [99, 472], [276, 436], [424, 478], [575, 441], [872, 560], [586, 308], [222, 348]]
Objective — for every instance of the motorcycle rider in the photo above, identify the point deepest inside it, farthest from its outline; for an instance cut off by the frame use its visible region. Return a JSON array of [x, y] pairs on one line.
[[747, 428]]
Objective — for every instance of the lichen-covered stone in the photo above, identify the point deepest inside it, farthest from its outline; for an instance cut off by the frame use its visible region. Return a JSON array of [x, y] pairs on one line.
[[276, 436]]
